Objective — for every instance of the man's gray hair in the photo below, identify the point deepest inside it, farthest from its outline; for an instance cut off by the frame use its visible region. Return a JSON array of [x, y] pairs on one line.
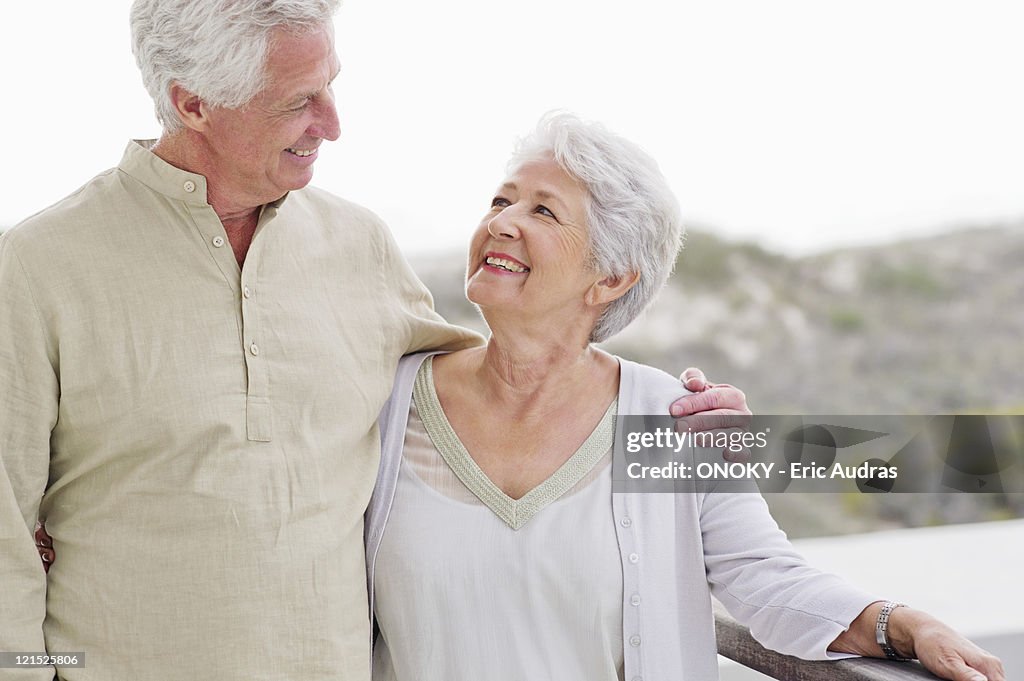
[[216, 49], [633, 218]]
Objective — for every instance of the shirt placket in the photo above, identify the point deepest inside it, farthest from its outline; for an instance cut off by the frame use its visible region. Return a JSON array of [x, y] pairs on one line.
[[243, 284], [258, 417]]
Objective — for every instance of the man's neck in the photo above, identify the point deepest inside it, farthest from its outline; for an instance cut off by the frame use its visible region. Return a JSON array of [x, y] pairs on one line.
[[240, 233], [239, 220], [184, 150]]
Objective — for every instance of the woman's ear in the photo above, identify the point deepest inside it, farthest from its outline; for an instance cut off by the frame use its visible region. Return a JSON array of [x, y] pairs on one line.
[[611, 288]]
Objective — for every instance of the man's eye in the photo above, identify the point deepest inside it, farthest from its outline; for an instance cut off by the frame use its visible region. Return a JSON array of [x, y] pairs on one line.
[[544, 210], [499, 202]]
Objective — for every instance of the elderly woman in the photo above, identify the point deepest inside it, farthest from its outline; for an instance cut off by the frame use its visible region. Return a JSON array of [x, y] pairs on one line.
[[495, 546]]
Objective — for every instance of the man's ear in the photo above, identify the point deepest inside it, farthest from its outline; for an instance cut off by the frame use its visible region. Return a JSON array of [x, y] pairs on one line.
[[192, 111], [611, 288]]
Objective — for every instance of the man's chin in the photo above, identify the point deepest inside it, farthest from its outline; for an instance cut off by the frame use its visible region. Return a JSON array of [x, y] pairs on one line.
[[296, 181]]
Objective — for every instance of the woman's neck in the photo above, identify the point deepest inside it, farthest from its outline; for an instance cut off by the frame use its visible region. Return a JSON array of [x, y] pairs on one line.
[[526, 368], [526, 376]]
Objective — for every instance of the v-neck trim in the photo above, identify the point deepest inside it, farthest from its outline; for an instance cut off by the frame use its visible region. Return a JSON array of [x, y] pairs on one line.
[[513, 512]]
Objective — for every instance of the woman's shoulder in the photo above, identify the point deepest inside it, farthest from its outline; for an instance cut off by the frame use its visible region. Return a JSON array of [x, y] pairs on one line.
[[405, 372], [644, 389]]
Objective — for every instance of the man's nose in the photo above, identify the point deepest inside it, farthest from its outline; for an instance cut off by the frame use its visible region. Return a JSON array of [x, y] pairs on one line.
[[326, 125]]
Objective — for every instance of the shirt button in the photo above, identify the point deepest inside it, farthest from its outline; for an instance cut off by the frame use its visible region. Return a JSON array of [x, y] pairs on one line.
[[189, 186], [634, 599], [634, 558], [254, 349], [247, 292], [626, 522], [217, 241], [634, 641]]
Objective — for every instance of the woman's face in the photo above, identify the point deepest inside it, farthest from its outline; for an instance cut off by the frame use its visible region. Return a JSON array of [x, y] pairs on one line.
[[529, 254]]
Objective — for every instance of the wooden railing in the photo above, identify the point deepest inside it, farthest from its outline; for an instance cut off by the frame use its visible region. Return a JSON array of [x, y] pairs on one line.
[[736, 643]]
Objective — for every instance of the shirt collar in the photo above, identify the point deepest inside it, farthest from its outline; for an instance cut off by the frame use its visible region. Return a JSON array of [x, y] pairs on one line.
[[142, 164]]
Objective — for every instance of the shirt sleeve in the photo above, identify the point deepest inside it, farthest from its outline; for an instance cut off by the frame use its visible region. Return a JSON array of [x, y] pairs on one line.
[[421, 327], [766, 585], [28, 413]]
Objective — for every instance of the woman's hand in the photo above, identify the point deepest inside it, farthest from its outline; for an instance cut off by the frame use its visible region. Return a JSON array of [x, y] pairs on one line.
[[44, 544], [941, 650], [916, 634]]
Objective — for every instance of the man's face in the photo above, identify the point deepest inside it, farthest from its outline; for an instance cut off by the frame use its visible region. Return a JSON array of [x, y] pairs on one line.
[[268, 147]]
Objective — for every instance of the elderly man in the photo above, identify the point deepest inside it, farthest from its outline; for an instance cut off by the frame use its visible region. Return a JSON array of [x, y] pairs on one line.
[[194, 348]]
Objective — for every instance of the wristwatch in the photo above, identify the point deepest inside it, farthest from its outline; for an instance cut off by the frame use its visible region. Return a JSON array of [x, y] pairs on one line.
[[881, 630]]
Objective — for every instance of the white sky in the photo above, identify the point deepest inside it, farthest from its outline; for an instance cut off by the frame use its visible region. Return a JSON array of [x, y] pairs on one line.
[[802, 124]]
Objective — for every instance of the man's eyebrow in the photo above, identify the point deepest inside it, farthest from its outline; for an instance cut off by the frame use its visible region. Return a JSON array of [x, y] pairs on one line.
[[312, 94]]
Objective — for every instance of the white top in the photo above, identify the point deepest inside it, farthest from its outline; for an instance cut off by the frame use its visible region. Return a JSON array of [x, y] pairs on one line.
[[675, 550], [538, 580]]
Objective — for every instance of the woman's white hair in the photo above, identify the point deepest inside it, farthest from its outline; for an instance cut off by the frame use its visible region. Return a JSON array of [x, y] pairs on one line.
[[215, 49], [633, 218]]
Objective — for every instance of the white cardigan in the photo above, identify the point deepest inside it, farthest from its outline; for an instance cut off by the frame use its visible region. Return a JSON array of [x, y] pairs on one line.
[[676, 551]]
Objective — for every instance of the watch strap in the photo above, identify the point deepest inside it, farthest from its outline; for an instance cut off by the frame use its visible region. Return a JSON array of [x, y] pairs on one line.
[[882, 630]]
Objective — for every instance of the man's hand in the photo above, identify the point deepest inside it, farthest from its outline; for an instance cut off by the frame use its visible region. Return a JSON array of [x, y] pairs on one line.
[[44, 544], [711, 407], [710, 399]]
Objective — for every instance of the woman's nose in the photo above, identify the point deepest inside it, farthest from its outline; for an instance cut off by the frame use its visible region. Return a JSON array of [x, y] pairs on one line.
[[503, 225]]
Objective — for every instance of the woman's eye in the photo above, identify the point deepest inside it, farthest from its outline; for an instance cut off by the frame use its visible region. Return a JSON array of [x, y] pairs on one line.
[[543, 210], [499, 202]]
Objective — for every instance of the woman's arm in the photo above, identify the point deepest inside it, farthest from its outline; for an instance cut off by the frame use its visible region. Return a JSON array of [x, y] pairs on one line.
[[794, 609], [916, 634]]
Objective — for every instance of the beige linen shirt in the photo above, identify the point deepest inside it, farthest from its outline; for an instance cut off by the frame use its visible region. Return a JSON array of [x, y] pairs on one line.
[[201, 439]]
